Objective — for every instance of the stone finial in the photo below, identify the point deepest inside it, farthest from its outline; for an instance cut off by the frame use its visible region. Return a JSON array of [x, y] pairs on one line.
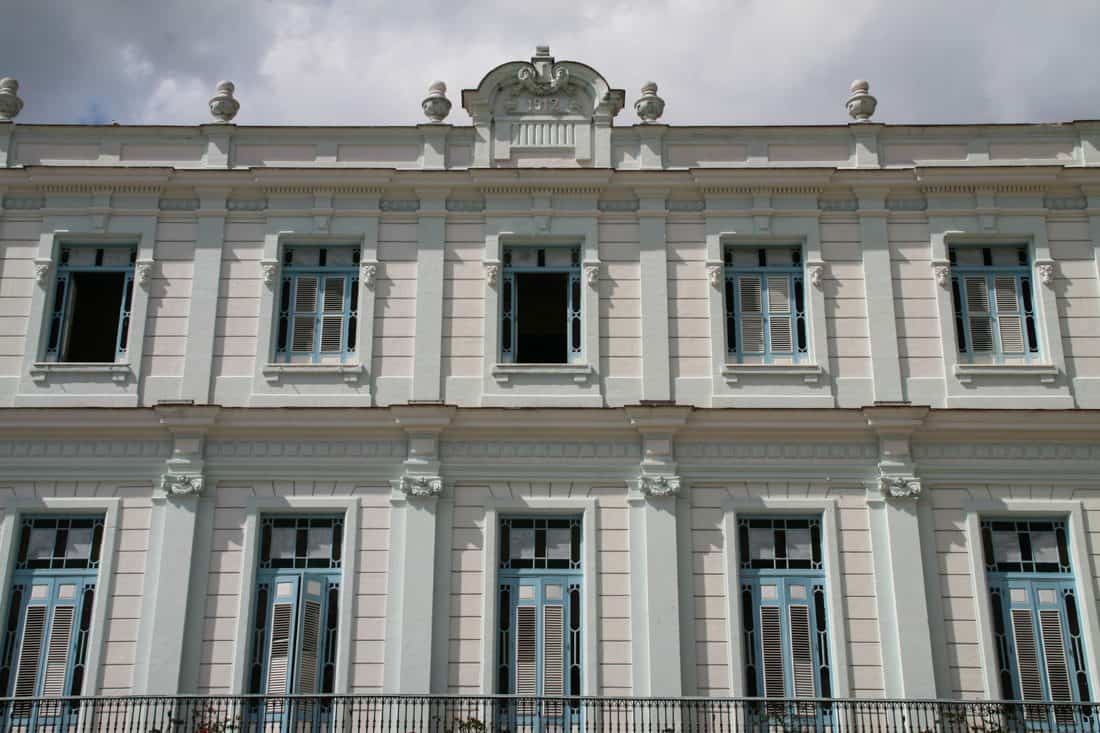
[[861, 105], [10, 103], [649, 106], [223, 105], [436, 105]]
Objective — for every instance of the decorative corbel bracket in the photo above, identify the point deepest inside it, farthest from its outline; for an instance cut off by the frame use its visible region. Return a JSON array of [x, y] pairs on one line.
[[659, 485], [900, 487], [368, 274], [1045, 270], [42, 267], [592, 273], [183, 471], [941, 270], [270, 271], [182, 483], [714, 273], [894, 426], [421, 485], [816, 270], [492, 272], [144, 271]]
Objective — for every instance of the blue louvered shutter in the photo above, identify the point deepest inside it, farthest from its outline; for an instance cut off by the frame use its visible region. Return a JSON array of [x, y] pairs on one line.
[[281, 623], [310, 636]]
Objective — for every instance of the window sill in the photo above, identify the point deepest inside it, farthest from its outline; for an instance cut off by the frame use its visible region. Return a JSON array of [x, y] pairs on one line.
[[580, 373], [965, 373], [810, 373], [42, 370], [351, 373]]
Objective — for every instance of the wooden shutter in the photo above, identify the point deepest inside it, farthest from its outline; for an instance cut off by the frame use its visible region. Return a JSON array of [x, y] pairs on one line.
[[1010, 322], [332, 321], [802, 653], [57, 651], [771, 646], [751, 311], [977, 308], [526, 651], [30, 651], [553, 656], [779, 314], [1054, 656], [305, 306], [309, 637], [1027, 659]]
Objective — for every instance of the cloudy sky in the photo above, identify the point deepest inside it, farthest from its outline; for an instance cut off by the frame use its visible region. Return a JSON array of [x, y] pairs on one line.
[[716, 61]]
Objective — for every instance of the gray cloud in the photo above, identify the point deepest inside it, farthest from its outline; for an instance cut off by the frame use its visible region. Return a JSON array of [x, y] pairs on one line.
[[717, 61]]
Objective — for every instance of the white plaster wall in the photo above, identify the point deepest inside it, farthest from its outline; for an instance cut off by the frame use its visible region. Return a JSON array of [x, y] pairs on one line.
[[219, 640], [845, 311], [395, 309], [463, 300], [235, 326], [621, 330], [1078, 293], [169, 303], [689, 322], [18, 245], [612, 583], [124, 605], [712, 645], [917, 317]]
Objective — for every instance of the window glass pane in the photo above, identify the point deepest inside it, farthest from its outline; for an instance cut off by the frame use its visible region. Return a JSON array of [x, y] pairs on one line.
[[283, 540], [79, 543], [524, 256], [559, 256], [557, 544], [1044, 547], [41, 544], [761, 544], [522, 544], [798, 544], [1006, 547], [320, 542]]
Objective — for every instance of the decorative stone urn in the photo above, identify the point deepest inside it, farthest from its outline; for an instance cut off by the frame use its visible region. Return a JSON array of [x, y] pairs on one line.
[[223, 105], [649, 106], [436, 105], [861, 105], [10, 103]]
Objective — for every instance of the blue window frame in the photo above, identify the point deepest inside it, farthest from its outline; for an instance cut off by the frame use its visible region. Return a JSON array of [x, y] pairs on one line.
[[765, 305], [92, 297], [318, 305], [993, 301], [539, 631], [784, 620], [49, 615], [1037, 626], [540, 313], [295, 618]]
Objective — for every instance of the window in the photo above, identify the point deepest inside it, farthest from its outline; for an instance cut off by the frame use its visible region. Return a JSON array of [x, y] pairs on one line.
[[295, 621], [93, 294], [783, 613], [539, 636], [765, 305], [318, 305], [46, 632], [1037, 626], [993, 301], [540, 316]]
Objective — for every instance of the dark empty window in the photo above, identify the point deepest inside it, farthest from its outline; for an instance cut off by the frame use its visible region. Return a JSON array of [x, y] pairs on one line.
[[93, 294], [541, 305]]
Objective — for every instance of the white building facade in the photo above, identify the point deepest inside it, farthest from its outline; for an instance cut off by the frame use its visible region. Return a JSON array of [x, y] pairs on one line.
[[548, 405]]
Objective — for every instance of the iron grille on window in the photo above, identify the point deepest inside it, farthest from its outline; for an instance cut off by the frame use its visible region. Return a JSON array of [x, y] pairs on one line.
[[993, 300], [318, 305], [92, 296], [540, 314], [765, 305]]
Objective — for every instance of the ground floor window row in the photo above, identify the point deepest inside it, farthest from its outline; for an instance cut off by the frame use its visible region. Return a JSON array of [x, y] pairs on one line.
[[293, 636]]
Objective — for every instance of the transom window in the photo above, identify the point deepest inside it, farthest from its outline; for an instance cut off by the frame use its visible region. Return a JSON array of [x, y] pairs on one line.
[[534, 544], [765, 305], [991, 291], [53, 543], [318, 305], [301, 542], [1025, 546], [92, 297], [780, 544], [540, 316]]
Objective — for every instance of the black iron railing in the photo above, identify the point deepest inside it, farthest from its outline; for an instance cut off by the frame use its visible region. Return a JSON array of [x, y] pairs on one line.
[[447, 714]]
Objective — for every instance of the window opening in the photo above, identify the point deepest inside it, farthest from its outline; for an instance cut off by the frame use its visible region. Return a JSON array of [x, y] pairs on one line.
[[318, 305], [993, 302], [92, 299], [541, 305], [765, 305]]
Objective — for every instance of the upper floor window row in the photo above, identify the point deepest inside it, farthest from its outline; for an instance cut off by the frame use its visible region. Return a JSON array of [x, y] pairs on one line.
[[993, 300], [541, 313], [318, 305], [89, 320], [765, 305]]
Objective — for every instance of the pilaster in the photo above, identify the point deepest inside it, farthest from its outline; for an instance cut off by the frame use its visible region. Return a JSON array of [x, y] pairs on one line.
[[411, 592], [164, 631], [205, 278], [879, 283], [907, 658], [653, 255], [431, 225], [654, 547]]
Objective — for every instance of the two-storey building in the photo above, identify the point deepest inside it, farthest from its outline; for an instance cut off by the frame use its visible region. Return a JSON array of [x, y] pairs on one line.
[[550, 406]]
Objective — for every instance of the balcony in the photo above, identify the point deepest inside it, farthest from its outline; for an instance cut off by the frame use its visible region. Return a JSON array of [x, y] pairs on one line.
[[449, 714]]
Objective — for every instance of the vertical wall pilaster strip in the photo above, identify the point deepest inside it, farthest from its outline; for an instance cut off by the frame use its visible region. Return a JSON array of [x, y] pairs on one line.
[[879, 284], [655, 607], [197, 596], [689, 675], [653, 256], [205, 280], [441, 621], [410, 591], [431, 228], [165, 595]]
